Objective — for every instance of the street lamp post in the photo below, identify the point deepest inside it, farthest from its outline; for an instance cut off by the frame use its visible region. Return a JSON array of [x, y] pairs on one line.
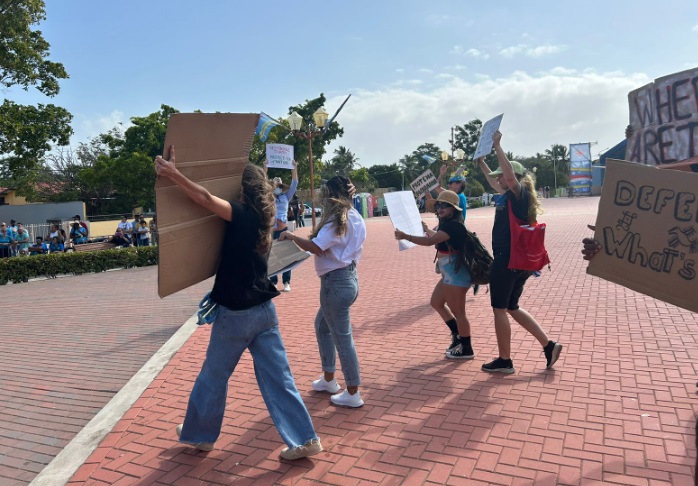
[[296, 122]]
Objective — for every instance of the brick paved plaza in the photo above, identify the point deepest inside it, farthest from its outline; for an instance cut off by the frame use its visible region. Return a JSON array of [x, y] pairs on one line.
[[619, 407]]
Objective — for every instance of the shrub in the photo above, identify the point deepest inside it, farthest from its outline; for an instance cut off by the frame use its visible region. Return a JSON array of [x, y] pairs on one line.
[[21, 269], [475, 202]]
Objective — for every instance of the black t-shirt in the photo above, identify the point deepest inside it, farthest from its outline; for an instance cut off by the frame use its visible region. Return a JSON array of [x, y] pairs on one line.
[[501, 234], [456, 235], [241, 279]]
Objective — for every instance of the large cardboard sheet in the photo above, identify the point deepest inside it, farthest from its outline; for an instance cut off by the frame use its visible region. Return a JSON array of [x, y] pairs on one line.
[[212, 150], [664, 120], [647, 225], [404, 215]]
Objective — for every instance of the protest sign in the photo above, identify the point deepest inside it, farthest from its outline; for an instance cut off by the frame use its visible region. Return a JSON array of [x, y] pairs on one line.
[[404, 215], [280, 156], [484, 145], [647, 225], [285, 256], [664, 120], [425, 182]]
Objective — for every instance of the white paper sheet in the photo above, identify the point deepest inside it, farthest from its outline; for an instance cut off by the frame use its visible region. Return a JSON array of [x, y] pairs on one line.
[[484, 145], [404, 215], [280, 156]]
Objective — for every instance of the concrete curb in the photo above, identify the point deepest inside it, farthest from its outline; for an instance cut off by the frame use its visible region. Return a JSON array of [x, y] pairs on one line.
[[59, 471]]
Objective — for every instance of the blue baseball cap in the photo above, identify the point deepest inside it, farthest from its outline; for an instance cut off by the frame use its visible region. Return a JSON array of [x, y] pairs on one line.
[[456, 178]]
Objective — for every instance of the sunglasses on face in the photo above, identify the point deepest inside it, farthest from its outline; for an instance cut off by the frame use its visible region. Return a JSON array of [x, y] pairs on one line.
[[441, 205]]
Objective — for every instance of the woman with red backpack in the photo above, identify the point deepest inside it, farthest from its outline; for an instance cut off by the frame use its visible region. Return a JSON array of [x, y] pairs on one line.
[[507, 284]]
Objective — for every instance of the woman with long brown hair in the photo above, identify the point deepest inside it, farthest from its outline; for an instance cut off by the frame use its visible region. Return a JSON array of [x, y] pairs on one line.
[[245, 319], [337, 243]]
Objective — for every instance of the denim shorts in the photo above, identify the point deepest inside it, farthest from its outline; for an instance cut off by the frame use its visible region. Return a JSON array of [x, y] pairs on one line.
[[447, 266]]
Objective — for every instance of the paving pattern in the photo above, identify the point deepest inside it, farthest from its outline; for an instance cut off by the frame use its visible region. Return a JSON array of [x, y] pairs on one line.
[[619, 408]]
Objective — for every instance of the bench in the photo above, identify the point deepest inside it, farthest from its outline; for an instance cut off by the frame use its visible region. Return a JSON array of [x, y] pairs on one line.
[[102, 245]]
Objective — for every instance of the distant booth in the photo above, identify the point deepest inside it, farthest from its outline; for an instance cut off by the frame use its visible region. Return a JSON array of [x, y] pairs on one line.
[[598, 170]]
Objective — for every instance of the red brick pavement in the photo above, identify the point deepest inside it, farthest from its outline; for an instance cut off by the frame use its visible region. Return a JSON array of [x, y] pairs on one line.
[[618, 408], [68, 345]]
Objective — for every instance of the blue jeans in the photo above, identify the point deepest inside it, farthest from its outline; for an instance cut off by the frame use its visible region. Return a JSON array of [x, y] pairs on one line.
[[256, 328], [286, 276], [339, 289]]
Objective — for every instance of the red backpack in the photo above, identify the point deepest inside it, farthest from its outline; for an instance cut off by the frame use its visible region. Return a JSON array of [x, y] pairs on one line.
[[527, 244]]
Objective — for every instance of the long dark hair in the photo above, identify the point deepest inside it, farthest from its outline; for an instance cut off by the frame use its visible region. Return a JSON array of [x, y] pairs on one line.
[[257, 193], [336, 203]]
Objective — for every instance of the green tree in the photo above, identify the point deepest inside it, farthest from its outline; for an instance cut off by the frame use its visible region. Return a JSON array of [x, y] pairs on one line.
[[283, 134], [27, 131], [361, 178], [414, 164], [558, 156], [387, 175], [341, 164], [146, 135]]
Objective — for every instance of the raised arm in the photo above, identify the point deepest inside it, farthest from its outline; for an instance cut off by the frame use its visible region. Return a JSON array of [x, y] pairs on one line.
[[197, 193], [486, 170], [505, 165], [294, 181]]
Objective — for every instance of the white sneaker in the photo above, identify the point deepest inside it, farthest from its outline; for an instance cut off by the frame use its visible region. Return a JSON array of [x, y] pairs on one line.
[[328, 386], [310, 448], [344, 399], [202, 446], [287, 287]]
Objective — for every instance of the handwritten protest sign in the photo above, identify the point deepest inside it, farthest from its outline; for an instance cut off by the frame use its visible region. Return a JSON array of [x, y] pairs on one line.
[[404, 215], [484, 145], [664, 120], [648, 227], [425, 182], [280, 156]]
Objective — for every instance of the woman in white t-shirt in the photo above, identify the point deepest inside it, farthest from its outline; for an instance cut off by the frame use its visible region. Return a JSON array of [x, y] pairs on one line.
[[336, 243]]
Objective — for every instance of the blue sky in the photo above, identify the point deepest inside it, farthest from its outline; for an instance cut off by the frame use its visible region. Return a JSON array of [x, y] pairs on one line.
[[560, 72]]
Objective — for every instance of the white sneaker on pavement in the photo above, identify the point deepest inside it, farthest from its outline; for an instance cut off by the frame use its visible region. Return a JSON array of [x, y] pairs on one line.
[[345, 399], [328, 386], [287, 287], [203, 446], [310, 448]]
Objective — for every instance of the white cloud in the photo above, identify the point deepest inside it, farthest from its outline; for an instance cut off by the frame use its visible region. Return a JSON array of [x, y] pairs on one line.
[[695, 28], [535, 52], [381, 126], [88, 127], [477, 54], [457, 50]]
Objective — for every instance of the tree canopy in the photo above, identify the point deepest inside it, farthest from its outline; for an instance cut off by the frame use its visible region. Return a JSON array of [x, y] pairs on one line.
[[26, 132]]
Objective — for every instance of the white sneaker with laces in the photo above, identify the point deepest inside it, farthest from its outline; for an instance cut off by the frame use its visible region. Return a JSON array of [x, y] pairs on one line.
[[287, 287], [328, 386], [345, 399]]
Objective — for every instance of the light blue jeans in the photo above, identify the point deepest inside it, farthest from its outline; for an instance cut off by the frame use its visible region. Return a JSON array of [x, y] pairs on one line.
[[256, 328], [339, 289]]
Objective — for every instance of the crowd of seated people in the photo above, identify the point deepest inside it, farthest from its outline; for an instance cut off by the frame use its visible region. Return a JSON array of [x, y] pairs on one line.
[[16, 241]]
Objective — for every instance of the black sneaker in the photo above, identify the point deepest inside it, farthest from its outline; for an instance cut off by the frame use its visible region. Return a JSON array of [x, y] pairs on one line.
[[462, 351], [499, 365], [552, 352], [455, 341]]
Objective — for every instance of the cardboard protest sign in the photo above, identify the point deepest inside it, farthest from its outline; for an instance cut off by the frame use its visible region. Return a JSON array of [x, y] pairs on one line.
[[648, 227], [212, 150], [280, 156], [664, 120], [484, 145], [425, 182], [404, 215], [285, 255]]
